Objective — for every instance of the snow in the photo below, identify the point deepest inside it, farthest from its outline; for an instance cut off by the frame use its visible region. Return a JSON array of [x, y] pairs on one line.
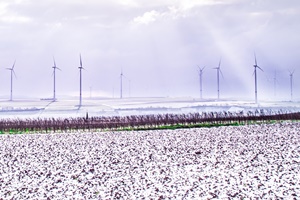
[[257, 161], [68, 107]]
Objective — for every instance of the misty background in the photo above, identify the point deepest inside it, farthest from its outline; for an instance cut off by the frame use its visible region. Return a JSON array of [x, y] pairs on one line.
[[157, 44]]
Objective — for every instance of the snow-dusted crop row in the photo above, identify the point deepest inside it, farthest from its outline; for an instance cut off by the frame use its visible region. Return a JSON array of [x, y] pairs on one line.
[[258, 161]]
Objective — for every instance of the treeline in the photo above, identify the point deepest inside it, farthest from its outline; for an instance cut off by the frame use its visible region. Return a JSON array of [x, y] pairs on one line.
[[138, 121]]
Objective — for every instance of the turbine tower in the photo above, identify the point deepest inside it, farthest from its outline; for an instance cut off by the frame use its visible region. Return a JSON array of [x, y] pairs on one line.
[[121, 84], [200, 79], [291, 82], [218, 77], [12, 71], [54, 79], [255, 74], [80, 82]]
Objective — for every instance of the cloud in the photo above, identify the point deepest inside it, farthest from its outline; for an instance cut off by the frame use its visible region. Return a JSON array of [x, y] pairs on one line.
[[172, 10], [6, 16], [147, 17]]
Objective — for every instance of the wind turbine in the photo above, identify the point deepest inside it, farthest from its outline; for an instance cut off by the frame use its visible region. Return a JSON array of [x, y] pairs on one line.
[[121, 84], [54, 79], [291, 82], [218, 77], [200, 78], [80, 82], [12, 71], [255, 74]]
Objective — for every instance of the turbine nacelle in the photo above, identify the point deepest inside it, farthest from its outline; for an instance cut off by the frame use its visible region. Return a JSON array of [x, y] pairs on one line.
[[201, 69], [12, 69], [256, 66], [54, 65], [292, 72], [219, 66]]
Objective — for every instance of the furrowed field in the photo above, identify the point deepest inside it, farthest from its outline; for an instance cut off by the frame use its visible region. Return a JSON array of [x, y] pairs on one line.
[[256, 161]]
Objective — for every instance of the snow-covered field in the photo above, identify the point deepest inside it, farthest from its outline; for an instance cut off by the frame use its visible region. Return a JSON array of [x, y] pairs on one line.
[[257, 161], [68, 107]]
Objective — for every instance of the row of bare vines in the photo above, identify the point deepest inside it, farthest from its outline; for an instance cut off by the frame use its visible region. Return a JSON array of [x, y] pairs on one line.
[[138, 121]]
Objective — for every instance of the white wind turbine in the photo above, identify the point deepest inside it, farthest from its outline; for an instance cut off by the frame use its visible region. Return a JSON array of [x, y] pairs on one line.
[[255, 74], [54, 79], [200, 79], [80, 81], [121, 84], [12, 71], [218, 77], [292, 82], [122, 76]]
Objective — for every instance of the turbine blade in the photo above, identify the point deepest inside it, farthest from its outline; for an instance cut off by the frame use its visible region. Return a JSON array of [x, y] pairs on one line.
[[221, 73], [80, 61], [293, 72], [14, 65], [255, 59], [54, 62], [201, 69], [220, 63], [13, 71], [259, 68]]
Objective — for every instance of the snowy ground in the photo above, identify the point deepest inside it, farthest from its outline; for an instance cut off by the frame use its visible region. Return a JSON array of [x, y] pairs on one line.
[[68, 107], [258, 161]]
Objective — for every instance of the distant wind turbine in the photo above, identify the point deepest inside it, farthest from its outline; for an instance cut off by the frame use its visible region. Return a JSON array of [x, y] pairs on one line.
[[291, 82], [54, 79], [255, 74], [12, 71], [200, 79], [218, 77], [80, 81], [121, 84]]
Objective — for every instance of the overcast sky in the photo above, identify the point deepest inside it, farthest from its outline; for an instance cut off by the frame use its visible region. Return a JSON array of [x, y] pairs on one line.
[[158, 44]]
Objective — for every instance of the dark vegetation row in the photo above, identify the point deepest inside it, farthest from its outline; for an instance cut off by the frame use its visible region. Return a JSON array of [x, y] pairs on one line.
[[140, 122]]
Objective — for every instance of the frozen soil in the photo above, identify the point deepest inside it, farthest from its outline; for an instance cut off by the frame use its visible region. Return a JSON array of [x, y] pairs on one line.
[[257, 161]]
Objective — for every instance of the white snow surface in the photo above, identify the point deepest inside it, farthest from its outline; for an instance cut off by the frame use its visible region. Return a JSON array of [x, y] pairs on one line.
[[256, 161], [68, 107]]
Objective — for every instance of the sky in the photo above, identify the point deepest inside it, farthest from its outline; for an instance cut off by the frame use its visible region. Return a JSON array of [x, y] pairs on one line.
[[157, 44]]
